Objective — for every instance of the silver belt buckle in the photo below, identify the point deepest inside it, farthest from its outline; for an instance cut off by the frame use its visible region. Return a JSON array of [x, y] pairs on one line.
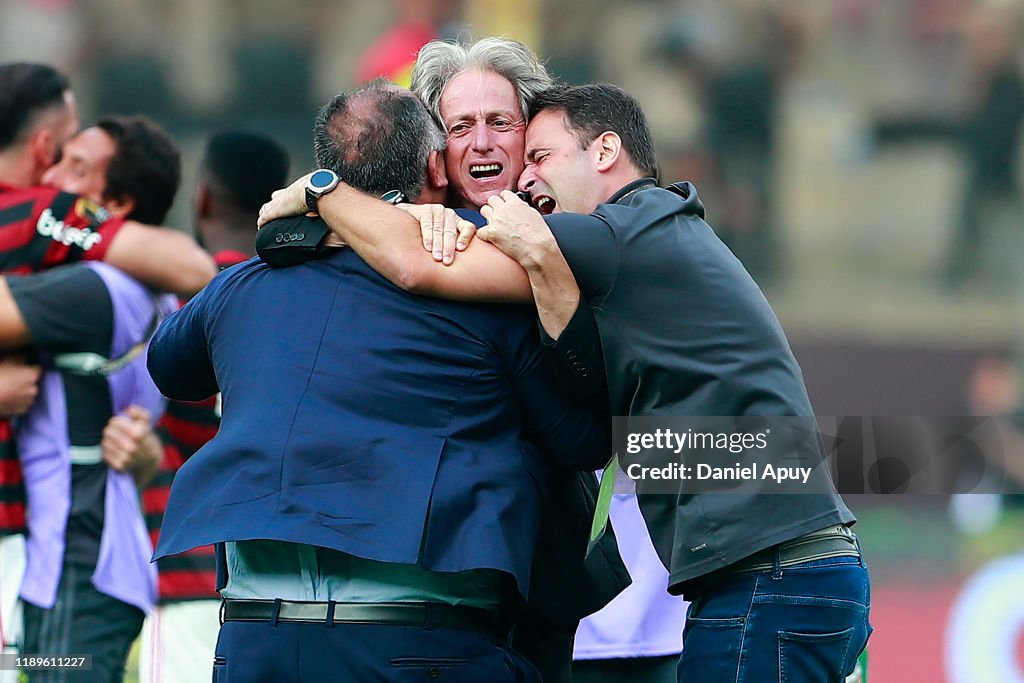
[[844, 530]]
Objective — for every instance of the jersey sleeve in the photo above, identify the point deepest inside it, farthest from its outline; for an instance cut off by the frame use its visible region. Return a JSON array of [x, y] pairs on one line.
[[65, 310]]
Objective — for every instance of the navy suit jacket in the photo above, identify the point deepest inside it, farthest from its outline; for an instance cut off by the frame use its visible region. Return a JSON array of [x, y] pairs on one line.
[[365, 419]]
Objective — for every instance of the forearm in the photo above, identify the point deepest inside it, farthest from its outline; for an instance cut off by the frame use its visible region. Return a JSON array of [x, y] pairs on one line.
[[13, 330], [18, 385], [147, 459], [165, 259], [390, 241], [554, 289]]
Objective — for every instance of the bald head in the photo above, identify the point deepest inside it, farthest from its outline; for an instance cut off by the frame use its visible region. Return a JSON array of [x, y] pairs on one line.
[[377, 138]]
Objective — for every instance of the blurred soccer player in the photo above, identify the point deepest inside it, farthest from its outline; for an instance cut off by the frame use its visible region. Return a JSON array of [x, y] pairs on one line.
[[239, 171], [88, 581], [41, 227]]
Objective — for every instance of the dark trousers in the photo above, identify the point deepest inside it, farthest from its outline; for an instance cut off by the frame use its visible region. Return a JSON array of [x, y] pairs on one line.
[[82, 621], [801, 624], [547, 646], [626, 670], [258, 652]]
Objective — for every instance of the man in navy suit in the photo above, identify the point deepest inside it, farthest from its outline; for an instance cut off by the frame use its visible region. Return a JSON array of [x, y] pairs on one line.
[[378, 473]]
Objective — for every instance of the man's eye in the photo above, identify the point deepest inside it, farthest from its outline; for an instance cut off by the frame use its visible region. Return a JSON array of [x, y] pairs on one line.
[[459, 129], [503, 125]]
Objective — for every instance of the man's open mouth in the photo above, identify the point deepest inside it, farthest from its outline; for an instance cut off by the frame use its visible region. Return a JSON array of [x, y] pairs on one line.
[[544, 204], [481, 171]]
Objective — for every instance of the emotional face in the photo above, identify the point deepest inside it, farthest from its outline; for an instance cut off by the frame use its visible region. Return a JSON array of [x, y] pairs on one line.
[[559, 176], [82, 168], [486, 130]]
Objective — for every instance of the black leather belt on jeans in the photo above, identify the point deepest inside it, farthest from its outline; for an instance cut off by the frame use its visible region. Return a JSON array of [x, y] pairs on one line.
[[422, 614], [833, 541]]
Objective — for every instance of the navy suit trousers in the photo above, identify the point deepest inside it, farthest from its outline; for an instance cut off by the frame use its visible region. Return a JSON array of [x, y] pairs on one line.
[[250, 652]]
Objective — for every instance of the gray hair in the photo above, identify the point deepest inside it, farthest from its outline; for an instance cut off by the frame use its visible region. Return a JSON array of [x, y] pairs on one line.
[[440, 61]]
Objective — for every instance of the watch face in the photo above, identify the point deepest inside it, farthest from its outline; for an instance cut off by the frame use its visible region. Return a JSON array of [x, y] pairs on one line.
[[322, 180], [393, 197]]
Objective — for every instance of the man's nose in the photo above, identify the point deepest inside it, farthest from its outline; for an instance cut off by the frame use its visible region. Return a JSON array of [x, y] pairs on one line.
[[51, 176], [482, 140], [526, 180]]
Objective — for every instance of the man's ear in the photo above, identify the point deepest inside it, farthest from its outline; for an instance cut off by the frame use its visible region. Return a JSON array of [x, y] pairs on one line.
[[43, 147], [119, 207], [204, 201], [437, 175], [608, 148]]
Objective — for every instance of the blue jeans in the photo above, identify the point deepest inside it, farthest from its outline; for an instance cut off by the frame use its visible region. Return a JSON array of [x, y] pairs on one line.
[[801, 624]]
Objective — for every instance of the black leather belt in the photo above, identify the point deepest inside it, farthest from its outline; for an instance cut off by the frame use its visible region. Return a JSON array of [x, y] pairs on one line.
[[834, 541], [422, 614]]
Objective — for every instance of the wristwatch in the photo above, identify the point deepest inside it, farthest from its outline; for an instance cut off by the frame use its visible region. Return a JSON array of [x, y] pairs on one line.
[[321, 182], [393, 197]]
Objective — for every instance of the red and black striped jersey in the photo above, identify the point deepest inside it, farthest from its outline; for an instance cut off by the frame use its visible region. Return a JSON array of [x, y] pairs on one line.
[[40, 228], [183, 429], [12, 489]]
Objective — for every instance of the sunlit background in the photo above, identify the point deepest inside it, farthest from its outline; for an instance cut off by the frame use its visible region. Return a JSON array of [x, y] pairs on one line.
[[860, 156]]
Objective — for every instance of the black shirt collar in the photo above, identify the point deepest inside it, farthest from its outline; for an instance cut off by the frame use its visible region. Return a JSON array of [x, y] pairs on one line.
[[641, 184]]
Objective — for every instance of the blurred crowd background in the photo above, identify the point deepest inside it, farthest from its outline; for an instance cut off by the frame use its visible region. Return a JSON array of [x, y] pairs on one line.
[[860, 156]]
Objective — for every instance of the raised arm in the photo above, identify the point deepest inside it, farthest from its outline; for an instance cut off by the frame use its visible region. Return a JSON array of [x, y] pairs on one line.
[[64, 310], [63, 228], [163, 258], [390, 241], [572, 259], [520, 232]]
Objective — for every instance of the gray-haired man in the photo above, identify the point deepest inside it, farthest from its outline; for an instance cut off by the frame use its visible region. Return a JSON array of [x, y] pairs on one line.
[[480, 94]]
